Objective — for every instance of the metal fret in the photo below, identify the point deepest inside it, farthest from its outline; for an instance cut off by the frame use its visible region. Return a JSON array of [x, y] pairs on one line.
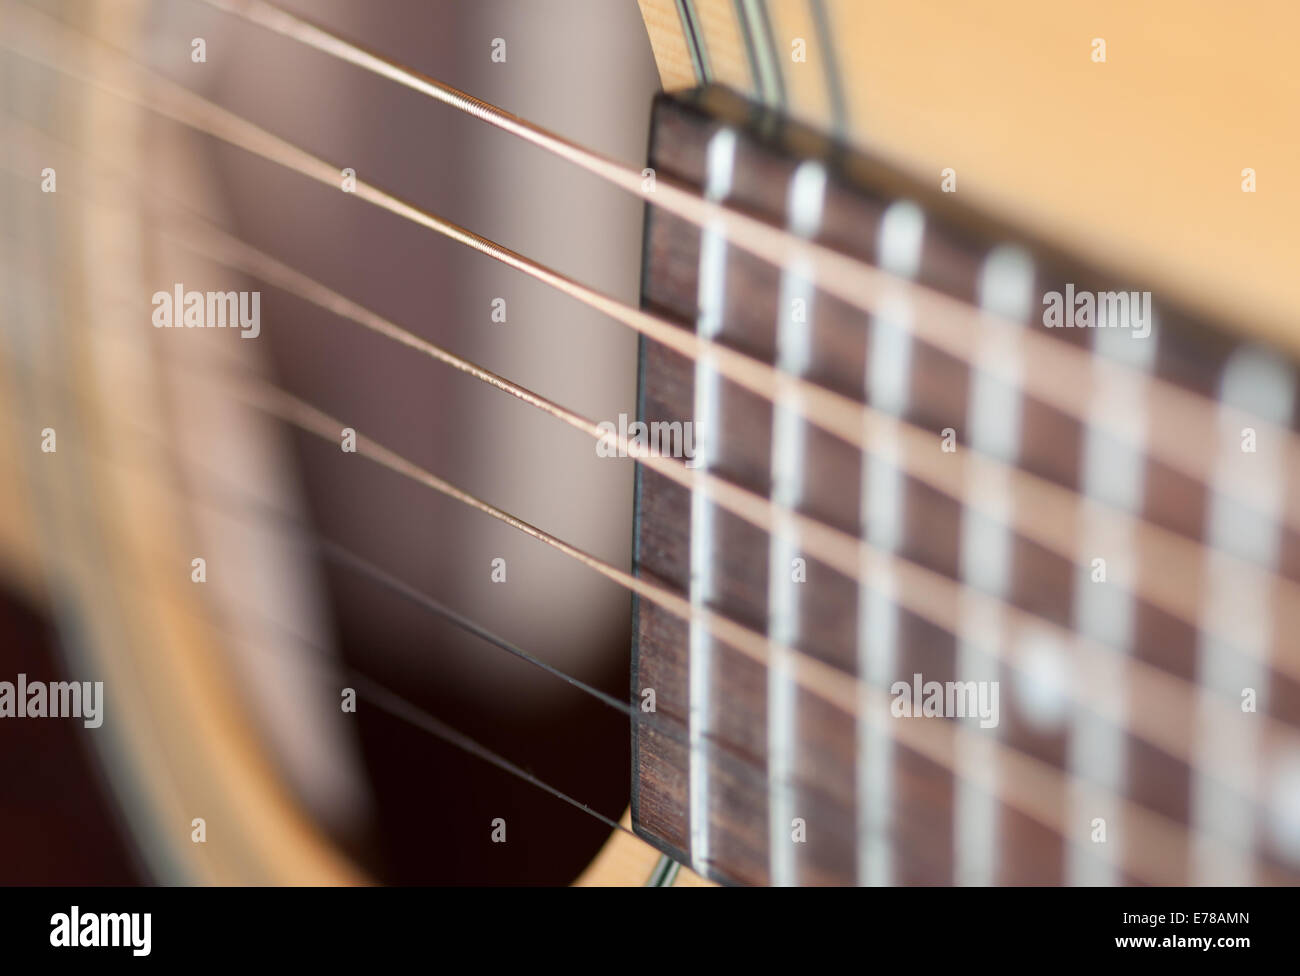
[[1253, 381], [1113, 473], [806, 196], [712, 305], [994, 426], [889, 364]]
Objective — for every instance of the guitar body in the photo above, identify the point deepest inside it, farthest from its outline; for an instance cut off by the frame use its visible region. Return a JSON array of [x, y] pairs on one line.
[[989, 157]]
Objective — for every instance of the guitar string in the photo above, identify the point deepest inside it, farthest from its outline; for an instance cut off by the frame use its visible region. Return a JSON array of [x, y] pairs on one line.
[[1099, 671], [1046, 506], [402, 708], [1053, 368], [380, 695], [1158, 839], [395, 704]]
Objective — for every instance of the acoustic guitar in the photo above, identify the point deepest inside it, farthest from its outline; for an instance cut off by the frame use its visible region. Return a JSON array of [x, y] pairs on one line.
[[874, 426]]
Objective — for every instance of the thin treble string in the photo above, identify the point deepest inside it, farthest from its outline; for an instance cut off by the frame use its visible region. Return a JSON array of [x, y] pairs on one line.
[[721, 752], [1158, 727], [1048, 517], [839, 415], [396, 705], [1053, 368]]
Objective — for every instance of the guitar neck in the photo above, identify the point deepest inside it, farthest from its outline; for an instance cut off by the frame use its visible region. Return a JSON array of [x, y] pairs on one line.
[[1047, 550]]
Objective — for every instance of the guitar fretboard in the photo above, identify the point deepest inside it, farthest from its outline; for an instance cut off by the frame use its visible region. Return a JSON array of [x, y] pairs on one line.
[[1121, 622]]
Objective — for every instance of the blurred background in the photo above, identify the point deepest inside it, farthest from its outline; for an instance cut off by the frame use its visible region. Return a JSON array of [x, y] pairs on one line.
[[149, 449]]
